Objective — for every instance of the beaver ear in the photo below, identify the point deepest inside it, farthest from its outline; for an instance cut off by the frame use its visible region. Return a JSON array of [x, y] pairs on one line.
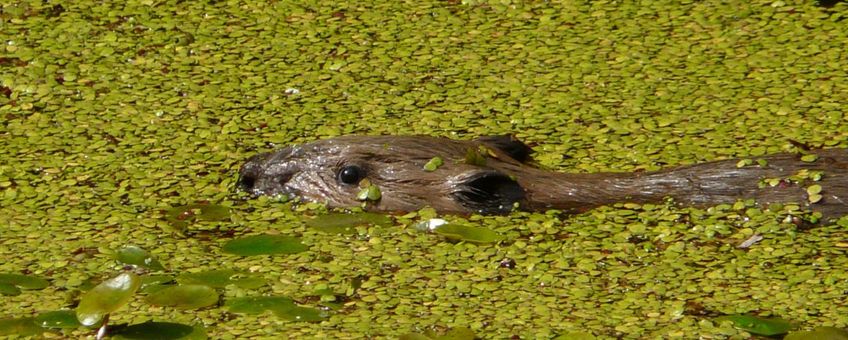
[[509, 145], [489, 193]]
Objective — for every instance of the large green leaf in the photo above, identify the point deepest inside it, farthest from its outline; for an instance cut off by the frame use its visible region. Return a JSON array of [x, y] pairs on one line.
[[758, 325], [19, 327], [264, 245], [468, 233], [65, 318], [107, 297], [23, 281], [160, 331], [819, 333], [281, 306], [184, 297]]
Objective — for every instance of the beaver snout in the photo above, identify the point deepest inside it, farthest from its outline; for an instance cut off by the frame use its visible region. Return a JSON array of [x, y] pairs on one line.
[[266, 174], [250, 172]]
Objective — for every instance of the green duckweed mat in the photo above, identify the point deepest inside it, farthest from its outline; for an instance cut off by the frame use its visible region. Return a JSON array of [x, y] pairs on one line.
[[113, 112]]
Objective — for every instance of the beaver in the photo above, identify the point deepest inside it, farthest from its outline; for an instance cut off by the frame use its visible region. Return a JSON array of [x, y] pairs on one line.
[[496, 174]]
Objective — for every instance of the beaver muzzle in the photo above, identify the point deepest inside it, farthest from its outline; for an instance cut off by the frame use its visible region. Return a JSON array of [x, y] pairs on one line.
[[268, 174]]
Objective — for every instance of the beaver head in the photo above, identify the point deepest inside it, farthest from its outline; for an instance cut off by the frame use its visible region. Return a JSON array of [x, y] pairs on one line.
[[333, 170]]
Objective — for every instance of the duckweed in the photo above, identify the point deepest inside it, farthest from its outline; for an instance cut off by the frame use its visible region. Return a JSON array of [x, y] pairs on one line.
[[221, 278], [113, 113]]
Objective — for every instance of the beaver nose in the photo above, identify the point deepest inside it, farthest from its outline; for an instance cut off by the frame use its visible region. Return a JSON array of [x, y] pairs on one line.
[[250, 172], [268, 173], [246, 182]]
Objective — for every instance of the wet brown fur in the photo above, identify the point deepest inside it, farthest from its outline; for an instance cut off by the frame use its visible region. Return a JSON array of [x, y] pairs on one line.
[[395, 165]]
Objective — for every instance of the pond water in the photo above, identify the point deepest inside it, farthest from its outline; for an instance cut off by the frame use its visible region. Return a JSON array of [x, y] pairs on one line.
[[114, 113]]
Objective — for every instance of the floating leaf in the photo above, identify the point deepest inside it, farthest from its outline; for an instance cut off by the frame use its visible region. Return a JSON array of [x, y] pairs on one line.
[[468, 233], [160, 330], [369, 193], [264, 245], [222, 278], [814, 193], [181, 216], [475, 157], [106, 298], [433, 164], [744, 162], [429, 225], [9, 289], [23, 281], [19, 327], [281, 306], [758, 325], [575, 336], [809, 158], [184, 297], [258, 304], [298, 313], [346, 223], [138, 257], [152, 283], [66, 318], [819, 333]]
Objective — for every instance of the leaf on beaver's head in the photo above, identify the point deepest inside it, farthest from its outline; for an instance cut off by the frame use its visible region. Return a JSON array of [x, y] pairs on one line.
[[475, 157], [509, 145]]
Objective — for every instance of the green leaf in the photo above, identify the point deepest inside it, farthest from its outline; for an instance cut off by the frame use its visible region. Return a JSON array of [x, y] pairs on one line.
[[258, 304], [475, 157], [9, 289], [809, 158], [181, 216], [107, 297], [184, 297], [66, 318], [264, 245], [138, 257], [757, 325], [575, 336], [24, 281], [744, 162], [819, 333], [222, 278], [151, 283], [160, 330], [468, 233], [20, 327], [302, 314], [433, 164], [281, 306], [369, 193], [346, 223]]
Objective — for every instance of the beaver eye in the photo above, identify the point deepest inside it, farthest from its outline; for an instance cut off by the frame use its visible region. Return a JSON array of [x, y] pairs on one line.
[[351, 174]]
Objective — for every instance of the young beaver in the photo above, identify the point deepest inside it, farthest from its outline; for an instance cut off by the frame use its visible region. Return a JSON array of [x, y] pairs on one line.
[[493, 175]]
